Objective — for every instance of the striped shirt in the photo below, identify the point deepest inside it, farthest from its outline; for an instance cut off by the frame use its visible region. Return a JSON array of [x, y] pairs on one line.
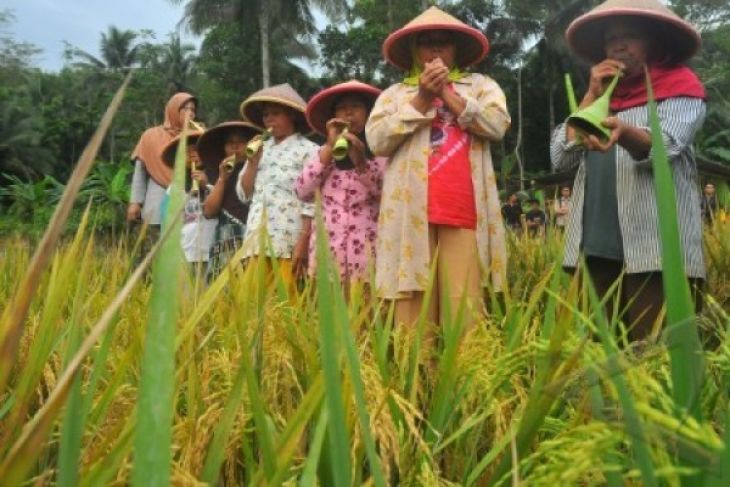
[[680, 119]]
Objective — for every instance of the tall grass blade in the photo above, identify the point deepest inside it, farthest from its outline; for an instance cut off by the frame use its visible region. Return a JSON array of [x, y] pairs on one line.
[[11, 326], [69, 452], [153, 438], [683, 341], [634, 427], [339, 440], [29, 445]]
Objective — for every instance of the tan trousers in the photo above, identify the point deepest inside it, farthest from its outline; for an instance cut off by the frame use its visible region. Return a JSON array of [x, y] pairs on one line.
[[457, 275]]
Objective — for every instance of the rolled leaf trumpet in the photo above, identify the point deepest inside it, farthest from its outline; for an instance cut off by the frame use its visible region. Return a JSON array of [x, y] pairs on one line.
[[195, 189], [253, 147], [230, 162], [587, 121], [342, 146]]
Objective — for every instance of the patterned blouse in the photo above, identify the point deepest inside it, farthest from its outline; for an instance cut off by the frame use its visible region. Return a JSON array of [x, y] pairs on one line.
[[274, 194], [397, 130], [680, 119], [350, 204]]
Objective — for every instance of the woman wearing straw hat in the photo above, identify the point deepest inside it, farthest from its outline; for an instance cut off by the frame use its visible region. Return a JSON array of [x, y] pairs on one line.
[[613, 220], [439, 189], [267, 181], [350, 187], [219, 147], [151, 174], [197, 232]]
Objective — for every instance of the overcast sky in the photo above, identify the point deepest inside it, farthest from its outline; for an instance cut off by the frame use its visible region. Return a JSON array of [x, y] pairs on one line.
[[47, 23]]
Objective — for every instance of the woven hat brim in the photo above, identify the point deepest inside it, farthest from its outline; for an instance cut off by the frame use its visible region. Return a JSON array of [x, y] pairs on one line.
[[471, 45], [211, 144], [585, 34], [168, 153], [321, 107], [252, 109]]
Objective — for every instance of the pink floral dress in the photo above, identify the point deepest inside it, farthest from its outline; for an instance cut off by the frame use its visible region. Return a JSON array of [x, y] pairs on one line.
[[350, 207]]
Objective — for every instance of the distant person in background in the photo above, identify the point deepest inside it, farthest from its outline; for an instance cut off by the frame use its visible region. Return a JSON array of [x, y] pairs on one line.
[[562, 208], [512, 213], [535, 218], [708, 203], [151, 175]]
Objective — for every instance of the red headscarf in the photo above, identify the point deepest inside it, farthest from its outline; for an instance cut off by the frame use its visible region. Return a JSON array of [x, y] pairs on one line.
[[667, 82], [154, 140]]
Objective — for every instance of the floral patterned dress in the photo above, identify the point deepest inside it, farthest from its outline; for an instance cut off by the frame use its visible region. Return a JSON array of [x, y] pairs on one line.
[[275, 206], [350, 206]]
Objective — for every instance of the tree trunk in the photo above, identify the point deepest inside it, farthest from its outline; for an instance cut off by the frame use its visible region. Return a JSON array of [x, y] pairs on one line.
[[518, 144], [264, 34]]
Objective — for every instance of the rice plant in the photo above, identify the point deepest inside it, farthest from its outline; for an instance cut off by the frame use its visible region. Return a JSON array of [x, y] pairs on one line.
[[249, 386]]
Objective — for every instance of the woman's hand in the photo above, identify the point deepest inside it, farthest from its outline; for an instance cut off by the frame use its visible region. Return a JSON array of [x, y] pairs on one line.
[[200, 177], [134, 212], [357, 152], [334, 128], [223, 172], [601, 75], [433, 79], [299, 256], [617, 128]]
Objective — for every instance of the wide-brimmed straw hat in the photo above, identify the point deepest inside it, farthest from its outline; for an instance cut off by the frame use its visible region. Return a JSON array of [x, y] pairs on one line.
[[211, 145], [471, 44], [679, 38], [168, 153], [252, 108], [322, 105]]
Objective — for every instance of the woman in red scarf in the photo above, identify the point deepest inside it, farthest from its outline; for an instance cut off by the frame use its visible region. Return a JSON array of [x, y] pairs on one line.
[[613, 221]]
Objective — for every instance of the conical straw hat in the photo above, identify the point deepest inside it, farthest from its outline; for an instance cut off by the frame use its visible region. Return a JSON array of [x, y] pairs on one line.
[[168, 153], [322, 105], [584, 35], [283, 94], [211, 144], [471, 44]]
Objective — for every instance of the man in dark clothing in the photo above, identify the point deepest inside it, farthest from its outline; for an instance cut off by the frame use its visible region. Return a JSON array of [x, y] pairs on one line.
[[708, 203], [512, 212], [535, 218]]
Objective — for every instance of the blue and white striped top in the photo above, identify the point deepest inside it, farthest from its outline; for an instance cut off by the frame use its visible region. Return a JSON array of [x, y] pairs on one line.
[[680, 119]]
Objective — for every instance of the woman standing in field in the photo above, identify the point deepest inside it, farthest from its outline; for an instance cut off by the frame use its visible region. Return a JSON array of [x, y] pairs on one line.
[[613, 217], [267, 182], [440, 197], [350, 187], [222, 150], [151, 175], [197, 231]]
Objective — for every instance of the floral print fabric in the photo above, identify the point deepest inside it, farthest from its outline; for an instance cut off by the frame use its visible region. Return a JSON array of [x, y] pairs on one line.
[[273, 194], [350, 205]]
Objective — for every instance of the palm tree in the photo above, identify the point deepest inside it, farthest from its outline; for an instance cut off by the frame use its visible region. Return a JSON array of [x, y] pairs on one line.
[[176, 60], [118, 51], [288, 22], [21, 149]]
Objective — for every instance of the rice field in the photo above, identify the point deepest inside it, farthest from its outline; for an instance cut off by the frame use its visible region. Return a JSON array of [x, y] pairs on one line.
[[118, 368], [266, 390]]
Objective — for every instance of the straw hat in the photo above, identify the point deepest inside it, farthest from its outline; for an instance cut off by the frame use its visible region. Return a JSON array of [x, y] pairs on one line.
[[168, 153], [211, 144], [585, 34], [252, 108], [322, 105], [471, 44]]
